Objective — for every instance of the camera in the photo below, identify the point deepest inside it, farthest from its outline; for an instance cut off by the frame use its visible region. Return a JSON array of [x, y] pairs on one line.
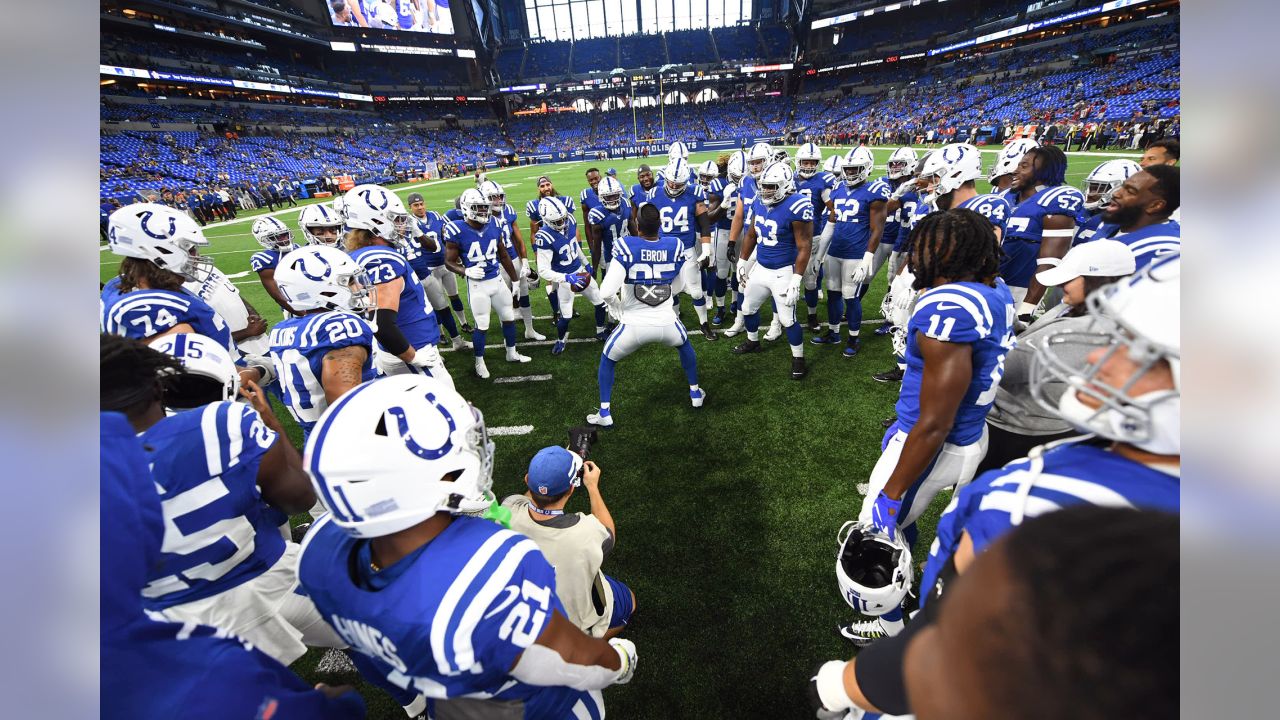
[[581, 439]]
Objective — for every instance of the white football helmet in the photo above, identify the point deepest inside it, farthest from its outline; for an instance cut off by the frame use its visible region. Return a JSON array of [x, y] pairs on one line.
[[496, 196], [1008, 159], [775, 183], [168, 238], [378, 210], [737, 167], [857, 165], [677, 150], [474, 206], [873, 571], [319, 277], [1138, 316], [554, 214], [832, 165], [397, 450], [317, 221], [808, 160], [949, 167], [1104, 180], [675, 177], [707, 173], [760, 155], [901, 163], [340, 207], [271, 233], [212, 376], [610, 193]]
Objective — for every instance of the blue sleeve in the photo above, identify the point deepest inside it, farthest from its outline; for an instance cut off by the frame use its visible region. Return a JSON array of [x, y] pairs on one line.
[[531, 211], [260, 261], [950, 316], [507, 629], [881, 190], [951, 527], [596, 216], [541, 241], [149, 316], [568, 204], [384, 267], [339, 331], [1068, 202], [254, 437], [450, 233]]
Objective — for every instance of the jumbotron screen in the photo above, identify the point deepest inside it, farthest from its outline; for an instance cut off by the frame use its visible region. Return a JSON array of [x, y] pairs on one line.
[[426, 16]]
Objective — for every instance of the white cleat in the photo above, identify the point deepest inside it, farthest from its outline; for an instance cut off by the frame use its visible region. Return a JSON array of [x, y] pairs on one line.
[[531, 334], [482, 370], [460, 344], [738, 326], [514, 356], [596, 418], [698, 398], [774, 332]]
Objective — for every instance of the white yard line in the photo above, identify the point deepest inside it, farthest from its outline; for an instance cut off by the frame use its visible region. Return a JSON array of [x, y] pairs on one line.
[[521, 379], [510, 430], [535, 343]]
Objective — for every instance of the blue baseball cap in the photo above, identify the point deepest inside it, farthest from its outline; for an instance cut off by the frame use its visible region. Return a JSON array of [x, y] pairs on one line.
[[612, 171], [554, 470]]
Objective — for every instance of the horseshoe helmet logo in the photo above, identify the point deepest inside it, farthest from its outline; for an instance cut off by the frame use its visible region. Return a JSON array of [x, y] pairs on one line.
[[368, 196], [402, 425], [958, 152], [301, 266], [145, 217]]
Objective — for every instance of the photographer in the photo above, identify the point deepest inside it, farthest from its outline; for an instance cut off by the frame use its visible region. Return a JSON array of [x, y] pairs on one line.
[[574, 543]]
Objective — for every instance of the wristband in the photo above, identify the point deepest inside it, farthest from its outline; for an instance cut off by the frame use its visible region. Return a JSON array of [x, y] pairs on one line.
[[829, 682]]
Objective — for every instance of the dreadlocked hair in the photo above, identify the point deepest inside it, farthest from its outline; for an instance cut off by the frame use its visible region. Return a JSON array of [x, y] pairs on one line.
[[954, 244], [1050, 164], [136, 272], [1113, 655], [131, 374]]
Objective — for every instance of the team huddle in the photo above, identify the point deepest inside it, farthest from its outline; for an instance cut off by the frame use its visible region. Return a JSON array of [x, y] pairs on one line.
[[1035, 328]]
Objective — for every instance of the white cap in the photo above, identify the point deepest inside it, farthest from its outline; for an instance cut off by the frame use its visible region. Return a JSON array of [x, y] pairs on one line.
[[1100, 258]]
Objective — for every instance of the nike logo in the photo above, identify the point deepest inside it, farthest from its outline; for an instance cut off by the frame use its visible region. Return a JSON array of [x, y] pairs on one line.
[[512, 592], [945, 306]]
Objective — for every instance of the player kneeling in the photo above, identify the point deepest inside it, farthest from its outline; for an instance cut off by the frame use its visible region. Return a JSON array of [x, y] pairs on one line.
[[646, 269], [560, 261]]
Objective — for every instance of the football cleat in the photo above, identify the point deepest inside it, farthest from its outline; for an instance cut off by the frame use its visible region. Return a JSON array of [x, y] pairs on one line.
[[866, 632], [775, 330], [738, 326], [851, 349], [602, 418], [888, 422], [888, 376], [482, 370], [718, 319], [460, 344], [465, 328], [531, 334], [749, 346], [603, 334], [884, 329], [514, 356], [798, 369], [708, 333], [826, 338], [697, 397], [813, 325], [557, 348]]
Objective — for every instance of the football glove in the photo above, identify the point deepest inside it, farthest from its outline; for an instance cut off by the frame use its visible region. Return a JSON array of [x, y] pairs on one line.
[[529, 273], [902, 190], [743, 271], [426, 358], [827, 695], [614, 306], [578, 281], [884, 514], [627, 653], [704, 254], [792, 295], [475, 272], [863, 270]]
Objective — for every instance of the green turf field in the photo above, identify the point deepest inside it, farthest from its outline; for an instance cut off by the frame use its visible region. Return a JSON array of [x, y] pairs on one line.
[[726, 515]]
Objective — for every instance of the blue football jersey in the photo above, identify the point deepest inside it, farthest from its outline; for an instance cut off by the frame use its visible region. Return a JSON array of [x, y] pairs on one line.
[[893, 220], [531, 207], [679, 214], [298, 347], [747, 194], [453, 215], [775, 234], [639, 195], [1150, 242], [110, 290], [419, 258], [566, 254], [476, 247], [992, 207], [447, 621], [815, 188], [507, 225], [141, 314], [852, 206], [970, 313], [404, 14], [416, 320], [649, 262], [612, 224], [1025, 229], [588, 198], [205, 465], [722, 188], [1092, 228], [268, 259], [1075, 473], [906, 220]]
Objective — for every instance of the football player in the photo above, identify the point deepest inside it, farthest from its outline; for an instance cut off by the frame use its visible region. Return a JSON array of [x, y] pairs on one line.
[[899, 171], [589, 197], [1043, 221], [708, 176], [640, 191], [646, 270], [607, 223], [1099, 184], [321, 225], [679, 150], [406, 330], [438, 283], [161, 251], [1139, 214], [1127, 397], [683, 210], [219, 466], [328, 350], [548, 189], [474, 248], [277, 241], [560, 261], [780, 238], [948, 178], [723, 253], [1006, 163], [858, 209], [816, 184], [756, 159], [505, 216], [440, 607]]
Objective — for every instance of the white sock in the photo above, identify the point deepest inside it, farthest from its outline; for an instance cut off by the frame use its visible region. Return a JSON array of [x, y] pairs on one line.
[[797, 351], [527, 314], [701, 311], [753, 336]]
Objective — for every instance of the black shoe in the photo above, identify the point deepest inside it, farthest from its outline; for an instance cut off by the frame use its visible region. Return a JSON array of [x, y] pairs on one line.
[[888, 376], [826, 338], [465, 328], [300, 531], [888, 422], [708, 333], [798, 370], [884, 329], [749, 346], [813, 326], [851, 349]]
